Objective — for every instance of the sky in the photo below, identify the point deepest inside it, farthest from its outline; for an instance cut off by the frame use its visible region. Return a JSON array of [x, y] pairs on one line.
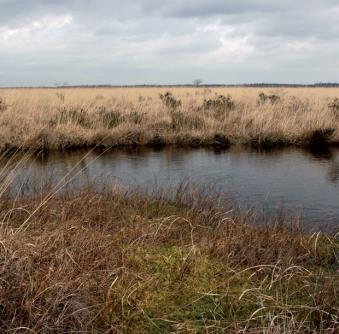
[[44, 42]]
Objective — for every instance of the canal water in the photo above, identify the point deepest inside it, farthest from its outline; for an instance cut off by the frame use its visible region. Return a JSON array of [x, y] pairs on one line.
[[290, 180]]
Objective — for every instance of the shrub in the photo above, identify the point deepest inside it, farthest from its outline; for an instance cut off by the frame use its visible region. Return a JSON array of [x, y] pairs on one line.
[[220, 103], [3, 105], [170, 101], [263, 98], [334, 106]]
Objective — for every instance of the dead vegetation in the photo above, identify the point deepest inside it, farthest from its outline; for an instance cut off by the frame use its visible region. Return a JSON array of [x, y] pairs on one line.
[[82, 118], [3, 105], [126, 262]]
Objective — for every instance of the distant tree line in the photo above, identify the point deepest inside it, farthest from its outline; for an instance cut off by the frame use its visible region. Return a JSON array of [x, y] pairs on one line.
[[196, 83]]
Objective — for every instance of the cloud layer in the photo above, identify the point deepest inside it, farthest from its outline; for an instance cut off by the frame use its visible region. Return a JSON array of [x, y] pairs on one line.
[[151, 41]]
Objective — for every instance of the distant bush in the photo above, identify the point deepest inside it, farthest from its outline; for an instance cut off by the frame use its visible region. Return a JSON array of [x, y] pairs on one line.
[[170, 101], [219, 103], [3, 105], [334, 105], [263, 98]]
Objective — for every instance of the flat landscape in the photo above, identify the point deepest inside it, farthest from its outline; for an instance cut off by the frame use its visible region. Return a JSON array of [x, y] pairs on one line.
[[121, 259], [169, 167], [62, 119]]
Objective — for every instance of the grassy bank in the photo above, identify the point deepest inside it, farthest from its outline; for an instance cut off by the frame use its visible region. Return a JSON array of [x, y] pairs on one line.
[[59, 119], [126, 262]]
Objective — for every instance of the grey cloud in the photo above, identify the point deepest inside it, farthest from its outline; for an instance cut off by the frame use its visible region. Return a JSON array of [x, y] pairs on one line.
[[218, 40]]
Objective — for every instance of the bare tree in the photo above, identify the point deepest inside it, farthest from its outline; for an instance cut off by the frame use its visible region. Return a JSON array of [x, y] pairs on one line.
[[197, 82]]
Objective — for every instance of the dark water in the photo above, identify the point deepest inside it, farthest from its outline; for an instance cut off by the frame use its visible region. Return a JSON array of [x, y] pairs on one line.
[[292, 180]]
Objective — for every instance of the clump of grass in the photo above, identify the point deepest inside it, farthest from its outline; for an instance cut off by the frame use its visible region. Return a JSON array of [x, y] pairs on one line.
[[170, 101], [220, 103], [263, 98], [137, 117], [334, 106], [125, 261], [109, 118], [181, 120], [3, 105], [72, 115]]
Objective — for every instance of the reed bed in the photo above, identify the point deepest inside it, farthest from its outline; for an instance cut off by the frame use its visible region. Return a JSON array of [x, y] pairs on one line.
[[61, 119], [122, 261]]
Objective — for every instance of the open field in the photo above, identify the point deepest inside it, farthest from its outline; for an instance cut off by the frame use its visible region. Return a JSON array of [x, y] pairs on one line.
[[125, 262], [58, 119]]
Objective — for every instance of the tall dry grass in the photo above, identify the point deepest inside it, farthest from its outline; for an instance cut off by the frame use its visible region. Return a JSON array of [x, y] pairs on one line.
[[126, 262], [56, 119]]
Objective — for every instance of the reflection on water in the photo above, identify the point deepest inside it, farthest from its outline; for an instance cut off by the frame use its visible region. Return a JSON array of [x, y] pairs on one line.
[[291, 179]]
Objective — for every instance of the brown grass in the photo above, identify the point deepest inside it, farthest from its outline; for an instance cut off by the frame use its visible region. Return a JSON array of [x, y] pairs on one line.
[[57, 119], [125, 262]]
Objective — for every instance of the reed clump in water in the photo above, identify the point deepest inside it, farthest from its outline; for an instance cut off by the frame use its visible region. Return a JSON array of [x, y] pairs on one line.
[[50, 119], [127, 262]]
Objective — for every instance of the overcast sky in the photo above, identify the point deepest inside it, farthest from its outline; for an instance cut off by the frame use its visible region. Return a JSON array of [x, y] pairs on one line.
[[43, 42]]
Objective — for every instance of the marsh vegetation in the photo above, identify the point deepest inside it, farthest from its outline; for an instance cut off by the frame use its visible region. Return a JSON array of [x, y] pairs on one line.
[[121, 261], [59, 119]]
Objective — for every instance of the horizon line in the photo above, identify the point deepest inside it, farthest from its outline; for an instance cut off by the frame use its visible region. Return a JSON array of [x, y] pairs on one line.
[[258, 84]]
